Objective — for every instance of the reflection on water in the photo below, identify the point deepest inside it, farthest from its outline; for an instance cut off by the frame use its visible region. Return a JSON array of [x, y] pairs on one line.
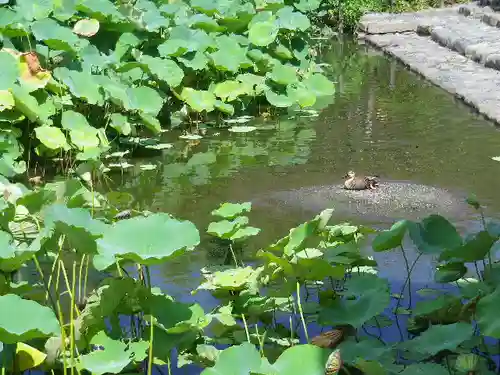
[[384, 120]]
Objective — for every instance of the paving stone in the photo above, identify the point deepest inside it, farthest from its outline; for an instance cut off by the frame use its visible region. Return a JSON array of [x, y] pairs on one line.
[[475, 84]]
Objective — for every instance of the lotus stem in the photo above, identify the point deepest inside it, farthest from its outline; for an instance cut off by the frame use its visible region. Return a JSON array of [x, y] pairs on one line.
[[301, 312], [246, 327], [80, 275], [48, 296], [71, 320], [150, 357], [409, 278]]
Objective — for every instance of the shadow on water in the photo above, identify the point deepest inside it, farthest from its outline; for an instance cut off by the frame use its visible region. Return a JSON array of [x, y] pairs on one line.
[[383, 120]]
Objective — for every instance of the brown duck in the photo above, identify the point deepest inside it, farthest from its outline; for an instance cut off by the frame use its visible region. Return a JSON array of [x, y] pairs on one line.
[[354, 182]]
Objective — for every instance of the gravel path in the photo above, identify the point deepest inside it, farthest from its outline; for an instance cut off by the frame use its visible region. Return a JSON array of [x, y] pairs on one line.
[[456, 48]]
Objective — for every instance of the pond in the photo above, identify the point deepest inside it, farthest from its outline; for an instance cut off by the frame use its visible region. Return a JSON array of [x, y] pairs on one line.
[[383, 120]]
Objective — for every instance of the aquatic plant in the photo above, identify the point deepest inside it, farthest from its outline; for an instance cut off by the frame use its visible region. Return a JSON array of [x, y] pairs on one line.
[[81, 73], [266, 311]]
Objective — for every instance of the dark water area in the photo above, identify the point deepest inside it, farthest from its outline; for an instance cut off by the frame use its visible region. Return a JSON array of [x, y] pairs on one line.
[[383, 120]]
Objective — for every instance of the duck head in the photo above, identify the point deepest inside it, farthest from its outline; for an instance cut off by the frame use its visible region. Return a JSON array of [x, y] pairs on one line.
[[350, 174]]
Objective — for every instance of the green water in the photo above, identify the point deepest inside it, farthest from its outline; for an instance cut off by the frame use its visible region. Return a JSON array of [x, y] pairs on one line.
[[383, 120]]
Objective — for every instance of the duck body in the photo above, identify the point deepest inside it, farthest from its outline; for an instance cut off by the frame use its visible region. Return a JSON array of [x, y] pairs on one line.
[[354, 182]]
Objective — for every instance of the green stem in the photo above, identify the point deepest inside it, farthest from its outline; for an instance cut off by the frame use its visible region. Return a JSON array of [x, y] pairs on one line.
[[301, 312], [150, 357]]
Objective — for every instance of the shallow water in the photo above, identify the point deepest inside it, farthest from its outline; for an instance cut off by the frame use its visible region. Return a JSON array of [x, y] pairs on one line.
[[384, 120]]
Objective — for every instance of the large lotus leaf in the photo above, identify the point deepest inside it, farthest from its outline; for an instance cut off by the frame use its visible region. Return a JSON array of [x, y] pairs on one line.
[[372, 299], [198, 100], [176, 317], [81, 84], [226, 228], [194, 60], [23, 320], [51, 137], [112, 359], [152, 123], [231, 210], [182, 40], [144, 99], [55, 36], [120, 123], [434, 235], [9, 72], [299, 360], [33, 10], [366, 348], [487, 314], [320, 85], [224, 107], [80, 228], [450, 272], [28, 105], [392, 238], [64, 10], [279, 100], [263, 33], [164, 69], [229, 279], [125, 42], [115, 90], [102, 10], [82, 134], [149, 240], [474, 249], [301, 94], [291, 20], [28, 357], [12, 256], [237, 360], [440, 337], [208, 7], [230, 55], [283, 74], [230, 90], [425, 369], [307, 5], [6, 100], [204, 22], [153, 20]]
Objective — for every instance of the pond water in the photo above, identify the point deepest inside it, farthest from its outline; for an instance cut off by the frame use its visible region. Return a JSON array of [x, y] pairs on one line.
[[383, 120]]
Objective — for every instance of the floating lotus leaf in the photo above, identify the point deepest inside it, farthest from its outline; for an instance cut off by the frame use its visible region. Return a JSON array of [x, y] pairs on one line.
[[23, 320], [149, 240], [283, 74]]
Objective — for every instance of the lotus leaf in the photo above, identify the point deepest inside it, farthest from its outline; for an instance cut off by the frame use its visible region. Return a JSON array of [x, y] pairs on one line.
[[291, 20], [154, 238], [434, 235], [199, 100], [231, 210], [392, 238], [263, 34], [320, 85], [23, 320], [486, 315], [440, 337], [112, 359], [86, 27]]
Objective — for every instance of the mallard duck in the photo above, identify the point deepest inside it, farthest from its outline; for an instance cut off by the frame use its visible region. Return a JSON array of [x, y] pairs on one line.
[[354, 182]]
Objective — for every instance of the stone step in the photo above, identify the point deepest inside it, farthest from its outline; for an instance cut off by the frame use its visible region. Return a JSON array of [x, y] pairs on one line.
[[468, 36], [472, 82]]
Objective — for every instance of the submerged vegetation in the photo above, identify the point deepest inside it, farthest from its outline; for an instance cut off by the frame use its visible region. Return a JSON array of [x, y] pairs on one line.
[[85, 81]]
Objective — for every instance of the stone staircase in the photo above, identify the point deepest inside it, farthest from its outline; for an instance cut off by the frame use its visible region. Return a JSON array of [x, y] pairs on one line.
[[457, 48]]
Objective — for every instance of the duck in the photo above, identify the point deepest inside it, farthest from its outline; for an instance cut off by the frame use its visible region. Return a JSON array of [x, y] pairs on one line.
[[354, 182]]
